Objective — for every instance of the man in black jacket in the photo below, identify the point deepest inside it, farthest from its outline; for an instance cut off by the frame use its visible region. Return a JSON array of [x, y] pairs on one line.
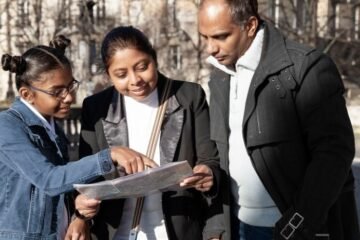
[[280, 122]]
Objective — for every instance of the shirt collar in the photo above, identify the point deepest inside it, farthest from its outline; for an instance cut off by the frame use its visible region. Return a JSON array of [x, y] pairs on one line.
[[50, 126], [212, 60], [251, 58]]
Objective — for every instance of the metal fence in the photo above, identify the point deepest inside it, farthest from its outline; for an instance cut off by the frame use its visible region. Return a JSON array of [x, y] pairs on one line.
[[71, 126]]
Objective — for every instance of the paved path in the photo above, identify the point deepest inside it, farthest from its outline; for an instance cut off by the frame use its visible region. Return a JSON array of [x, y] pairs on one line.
[[356, 170], [354, 113]]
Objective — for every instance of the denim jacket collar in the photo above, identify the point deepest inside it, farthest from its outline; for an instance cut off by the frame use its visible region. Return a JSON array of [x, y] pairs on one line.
[[25, 113]]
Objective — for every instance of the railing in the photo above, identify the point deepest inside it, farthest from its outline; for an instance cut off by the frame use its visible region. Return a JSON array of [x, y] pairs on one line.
[[71, 127]]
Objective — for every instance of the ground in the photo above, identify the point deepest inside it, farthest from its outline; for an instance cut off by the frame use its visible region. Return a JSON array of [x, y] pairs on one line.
[[354, 113]]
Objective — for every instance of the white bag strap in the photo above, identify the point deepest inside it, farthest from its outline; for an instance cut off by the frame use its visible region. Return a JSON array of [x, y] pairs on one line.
[[150, 154]]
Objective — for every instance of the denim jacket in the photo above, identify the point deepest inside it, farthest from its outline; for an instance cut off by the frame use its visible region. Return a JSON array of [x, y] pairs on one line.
[[34, 177]]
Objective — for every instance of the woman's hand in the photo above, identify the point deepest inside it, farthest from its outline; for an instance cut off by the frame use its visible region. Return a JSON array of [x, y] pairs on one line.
[[129, 160], [78, 230], [86, 208], [202, 179]]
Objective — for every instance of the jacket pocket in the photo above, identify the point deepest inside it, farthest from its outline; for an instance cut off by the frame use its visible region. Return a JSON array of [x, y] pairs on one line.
[[32, 207], [322, 236], [274, 118], [4, 201], [36, 212]]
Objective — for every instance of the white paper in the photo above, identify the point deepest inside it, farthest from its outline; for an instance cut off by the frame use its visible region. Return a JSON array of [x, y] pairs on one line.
[[138, 184]]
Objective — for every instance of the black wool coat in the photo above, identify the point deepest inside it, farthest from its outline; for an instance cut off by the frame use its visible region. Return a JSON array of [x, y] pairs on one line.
[[299, 138], [185, 135]]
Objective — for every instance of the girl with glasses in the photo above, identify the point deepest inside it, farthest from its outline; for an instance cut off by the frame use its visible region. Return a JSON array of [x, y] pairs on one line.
[[36, 177]]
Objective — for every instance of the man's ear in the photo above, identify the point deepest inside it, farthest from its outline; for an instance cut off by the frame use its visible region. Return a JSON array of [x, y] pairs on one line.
[[26, 94], [252, 26]]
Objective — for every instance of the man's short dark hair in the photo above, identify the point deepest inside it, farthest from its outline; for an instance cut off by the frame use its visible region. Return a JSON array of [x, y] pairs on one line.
[[242, 10]]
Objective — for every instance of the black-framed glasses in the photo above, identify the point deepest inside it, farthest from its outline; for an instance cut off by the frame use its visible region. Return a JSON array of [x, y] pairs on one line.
[[60, 93]]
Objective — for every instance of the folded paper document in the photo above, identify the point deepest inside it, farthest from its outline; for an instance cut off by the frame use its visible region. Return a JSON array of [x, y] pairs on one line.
[[138, 184]]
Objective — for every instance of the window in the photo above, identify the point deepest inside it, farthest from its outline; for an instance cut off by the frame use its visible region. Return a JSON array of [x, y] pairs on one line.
[[23, 14], [65, 13], [175, 57], [135, 10], [100, 10], [93, 56], [357, 23], [285, 14], [344, 22]]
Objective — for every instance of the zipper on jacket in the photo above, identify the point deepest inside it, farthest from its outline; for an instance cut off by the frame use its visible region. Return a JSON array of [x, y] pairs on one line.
[[32, 193], [258, 121], [162, 206]]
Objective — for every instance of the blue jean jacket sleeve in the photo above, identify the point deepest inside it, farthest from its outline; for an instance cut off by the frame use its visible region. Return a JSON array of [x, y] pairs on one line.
[[37, 160]]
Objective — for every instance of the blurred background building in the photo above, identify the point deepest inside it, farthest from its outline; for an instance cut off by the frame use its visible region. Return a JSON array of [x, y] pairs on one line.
[[332, 25], [170, 24]]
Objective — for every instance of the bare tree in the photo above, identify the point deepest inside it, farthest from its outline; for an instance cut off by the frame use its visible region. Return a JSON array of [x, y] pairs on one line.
[[328, 25], [10, 92]]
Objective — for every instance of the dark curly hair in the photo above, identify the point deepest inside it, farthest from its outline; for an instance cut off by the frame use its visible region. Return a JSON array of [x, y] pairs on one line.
[[37, 60]]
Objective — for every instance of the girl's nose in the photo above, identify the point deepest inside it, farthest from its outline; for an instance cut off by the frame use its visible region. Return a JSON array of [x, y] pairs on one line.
[[69, 98]]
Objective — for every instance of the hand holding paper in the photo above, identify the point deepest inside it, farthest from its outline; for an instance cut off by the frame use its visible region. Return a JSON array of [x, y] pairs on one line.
[[201, 180]]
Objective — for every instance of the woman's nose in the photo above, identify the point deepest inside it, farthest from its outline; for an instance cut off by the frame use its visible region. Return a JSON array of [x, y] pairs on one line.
[[134, 78]]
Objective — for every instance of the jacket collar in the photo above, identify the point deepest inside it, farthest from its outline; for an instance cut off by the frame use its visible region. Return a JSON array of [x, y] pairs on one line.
[[115, 126], [220, 87], [274, 58], [173, 103], [27, 116], [249, 60], [31, 119]]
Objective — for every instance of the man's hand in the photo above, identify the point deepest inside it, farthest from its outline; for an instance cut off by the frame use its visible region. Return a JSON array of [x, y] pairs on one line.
[[129, 160], [78, 230], [202, 179]]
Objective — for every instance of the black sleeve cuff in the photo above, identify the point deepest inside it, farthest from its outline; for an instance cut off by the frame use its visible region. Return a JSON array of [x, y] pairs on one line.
[[292, 226]]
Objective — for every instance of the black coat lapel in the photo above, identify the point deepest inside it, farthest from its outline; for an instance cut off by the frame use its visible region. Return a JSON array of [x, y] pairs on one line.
[[219, 105], [274, 58], [114, 125], [172, 124]]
